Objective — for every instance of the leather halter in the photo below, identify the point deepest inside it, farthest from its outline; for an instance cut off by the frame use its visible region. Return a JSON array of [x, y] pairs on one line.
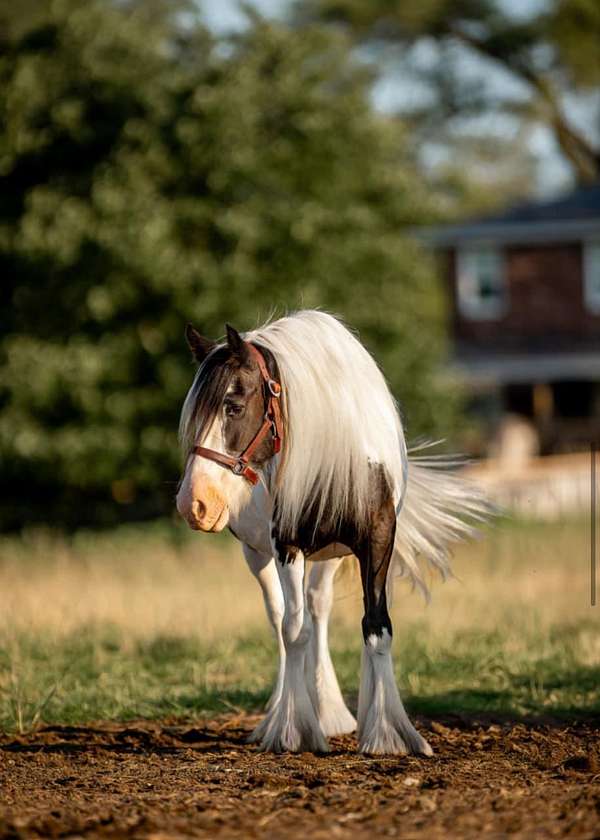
[[272, 424]]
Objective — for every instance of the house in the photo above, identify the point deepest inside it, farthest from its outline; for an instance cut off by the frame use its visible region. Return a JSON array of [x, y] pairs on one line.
[[524, 292]]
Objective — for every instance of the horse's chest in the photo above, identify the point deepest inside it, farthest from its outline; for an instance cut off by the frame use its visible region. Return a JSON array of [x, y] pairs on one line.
[[251, 525]]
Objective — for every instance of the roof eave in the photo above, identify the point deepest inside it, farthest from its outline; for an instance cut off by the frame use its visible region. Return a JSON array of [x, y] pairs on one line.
[[513, 233], [488, 369]]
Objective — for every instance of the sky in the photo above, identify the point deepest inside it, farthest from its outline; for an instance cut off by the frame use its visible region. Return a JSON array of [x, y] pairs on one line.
[[391, 92], [225, 15]]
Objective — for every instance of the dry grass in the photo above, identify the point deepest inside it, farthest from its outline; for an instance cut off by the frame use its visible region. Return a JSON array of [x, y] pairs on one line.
[[144, 584], [148, 584]]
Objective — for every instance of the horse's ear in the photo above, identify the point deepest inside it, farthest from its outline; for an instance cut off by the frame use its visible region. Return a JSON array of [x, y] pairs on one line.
[[236, 344], [199, 345]]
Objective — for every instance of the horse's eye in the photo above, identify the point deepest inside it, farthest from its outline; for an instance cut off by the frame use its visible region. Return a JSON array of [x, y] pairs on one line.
[[234, 409]]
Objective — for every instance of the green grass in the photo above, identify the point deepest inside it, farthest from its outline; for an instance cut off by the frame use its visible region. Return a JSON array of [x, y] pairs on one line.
[[148, 622]]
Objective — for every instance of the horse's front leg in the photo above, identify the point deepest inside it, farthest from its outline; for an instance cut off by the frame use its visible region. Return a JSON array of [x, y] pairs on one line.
[[263, 568], [383, 725], [334, 716], [293, 725]]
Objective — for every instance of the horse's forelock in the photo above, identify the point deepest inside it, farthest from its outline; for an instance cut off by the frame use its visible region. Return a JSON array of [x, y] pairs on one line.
[[206, 395]]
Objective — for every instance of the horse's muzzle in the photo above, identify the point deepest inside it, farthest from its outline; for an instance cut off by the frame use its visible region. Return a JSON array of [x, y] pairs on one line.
[[206, 510], [200, 520]]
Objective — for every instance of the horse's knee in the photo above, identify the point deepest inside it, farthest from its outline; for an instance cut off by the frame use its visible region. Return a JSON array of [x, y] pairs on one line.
[[274, 601], [296, 627], [276, 613], [319, 600]]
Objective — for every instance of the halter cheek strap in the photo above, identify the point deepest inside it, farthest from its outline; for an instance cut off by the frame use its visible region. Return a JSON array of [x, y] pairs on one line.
[[272, 424]]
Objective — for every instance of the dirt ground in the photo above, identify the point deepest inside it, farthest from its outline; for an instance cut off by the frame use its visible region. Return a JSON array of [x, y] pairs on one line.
[[169, 779]]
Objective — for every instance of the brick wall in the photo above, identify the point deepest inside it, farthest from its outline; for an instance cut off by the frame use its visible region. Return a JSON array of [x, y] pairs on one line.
[[546, 308]]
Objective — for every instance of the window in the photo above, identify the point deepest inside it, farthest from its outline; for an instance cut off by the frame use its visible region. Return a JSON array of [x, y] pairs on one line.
[[481, 283], [591, 276]]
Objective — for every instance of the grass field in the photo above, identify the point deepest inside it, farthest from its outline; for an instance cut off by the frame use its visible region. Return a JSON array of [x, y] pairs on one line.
[[153, 621]]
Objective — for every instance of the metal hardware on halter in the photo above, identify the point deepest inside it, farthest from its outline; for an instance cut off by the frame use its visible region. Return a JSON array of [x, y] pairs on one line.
[[274, 388], [272, 422]]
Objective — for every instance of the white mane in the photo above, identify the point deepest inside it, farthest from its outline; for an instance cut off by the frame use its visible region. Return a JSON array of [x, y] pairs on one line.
[[340, 416]]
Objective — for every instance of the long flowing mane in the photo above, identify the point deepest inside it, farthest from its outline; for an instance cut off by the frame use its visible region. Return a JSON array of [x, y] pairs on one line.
[[205, 397], [340, 417]]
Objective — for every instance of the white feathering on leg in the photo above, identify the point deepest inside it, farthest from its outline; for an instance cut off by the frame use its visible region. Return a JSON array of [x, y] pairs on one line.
[[383, 725], [293, 724], [334, 716]]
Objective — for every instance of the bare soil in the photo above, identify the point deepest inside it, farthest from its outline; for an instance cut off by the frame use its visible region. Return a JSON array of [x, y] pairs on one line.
[[169, 779]]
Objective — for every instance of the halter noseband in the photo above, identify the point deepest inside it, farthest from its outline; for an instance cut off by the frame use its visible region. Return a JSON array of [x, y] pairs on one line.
[[272, 423]]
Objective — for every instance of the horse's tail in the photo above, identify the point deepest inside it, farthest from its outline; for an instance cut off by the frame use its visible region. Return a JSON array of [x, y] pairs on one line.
[[440, 507]]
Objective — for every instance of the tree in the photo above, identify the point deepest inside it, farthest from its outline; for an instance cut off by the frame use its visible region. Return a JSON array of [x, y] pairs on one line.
[[546, 61], [149, 178]]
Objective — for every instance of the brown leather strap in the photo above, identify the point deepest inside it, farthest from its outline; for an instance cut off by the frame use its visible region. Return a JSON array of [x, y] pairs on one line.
[[273, 403], [272, 422], [234, 464]]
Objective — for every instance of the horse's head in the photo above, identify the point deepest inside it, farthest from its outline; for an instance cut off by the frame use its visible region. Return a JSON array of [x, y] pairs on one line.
[[230, 427]]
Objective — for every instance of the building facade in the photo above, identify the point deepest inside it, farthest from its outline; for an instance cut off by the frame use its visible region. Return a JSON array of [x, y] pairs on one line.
[[524, 292]]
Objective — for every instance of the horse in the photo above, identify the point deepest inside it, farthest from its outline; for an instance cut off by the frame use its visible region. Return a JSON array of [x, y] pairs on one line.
[[292, 439]]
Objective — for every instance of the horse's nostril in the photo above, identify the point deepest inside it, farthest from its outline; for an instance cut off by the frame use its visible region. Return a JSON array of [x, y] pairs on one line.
[[198, 511]]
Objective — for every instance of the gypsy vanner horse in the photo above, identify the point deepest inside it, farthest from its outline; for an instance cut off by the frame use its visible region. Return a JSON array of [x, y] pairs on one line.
[[292, 439]]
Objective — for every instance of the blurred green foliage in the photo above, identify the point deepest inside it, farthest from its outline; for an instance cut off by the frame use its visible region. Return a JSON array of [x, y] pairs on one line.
[[545, 57], [151, 175]]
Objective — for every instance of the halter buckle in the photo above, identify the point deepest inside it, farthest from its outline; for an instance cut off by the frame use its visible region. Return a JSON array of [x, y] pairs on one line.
[[238, 468], [274, 388]]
